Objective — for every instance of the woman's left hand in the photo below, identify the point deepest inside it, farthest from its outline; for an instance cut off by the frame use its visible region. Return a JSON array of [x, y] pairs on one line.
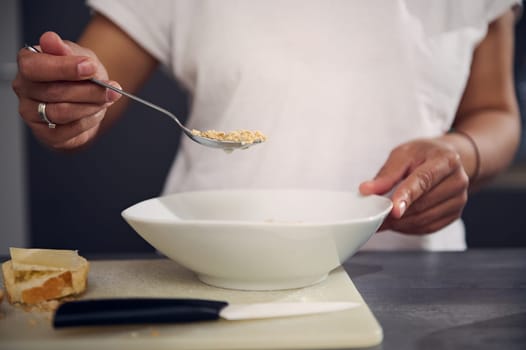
[[429, 184]]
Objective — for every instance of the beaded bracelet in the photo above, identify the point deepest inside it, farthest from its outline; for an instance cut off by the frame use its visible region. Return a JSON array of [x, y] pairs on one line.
[[477, 153]]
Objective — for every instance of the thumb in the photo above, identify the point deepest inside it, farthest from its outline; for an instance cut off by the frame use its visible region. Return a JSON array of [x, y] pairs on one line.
[[386, 179], [378, 185], [51, 43]]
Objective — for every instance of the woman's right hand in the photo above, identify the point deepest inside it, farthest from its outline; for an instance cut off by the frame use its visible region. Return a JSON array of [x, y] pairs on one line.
[[58, 77]]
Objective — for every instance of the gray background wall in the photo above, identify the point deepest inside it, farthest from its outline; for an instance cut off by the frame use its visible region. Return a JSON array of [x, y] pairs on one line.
[[74, 201], [13, 221]]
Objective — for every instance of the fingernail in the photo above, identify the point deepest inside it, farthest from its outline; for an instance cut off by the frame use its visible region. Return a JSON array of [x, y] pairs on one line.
[[111, 95], [402, 206], [86, 69]]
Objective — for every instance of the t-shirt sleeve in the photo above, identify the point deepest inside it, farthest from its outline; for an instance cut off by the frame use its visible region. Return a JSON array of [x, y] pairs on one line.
[[445, 16], [496, 8], [148, 23]]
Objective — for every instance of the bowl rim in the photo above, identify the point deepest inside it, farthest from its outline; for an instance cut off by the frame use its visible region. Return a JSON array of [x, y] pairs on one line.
[[246, 223]]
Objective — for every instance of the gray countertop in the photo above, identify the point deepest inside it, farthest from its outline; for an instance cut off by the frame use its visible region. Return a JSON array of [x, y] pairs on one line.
[[444, 300], [462, 300]]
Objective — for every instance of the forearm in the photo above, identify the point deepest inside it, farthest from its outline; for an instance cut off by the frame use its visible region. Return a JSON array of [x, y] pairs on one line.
[[125, 61], [488, 112]]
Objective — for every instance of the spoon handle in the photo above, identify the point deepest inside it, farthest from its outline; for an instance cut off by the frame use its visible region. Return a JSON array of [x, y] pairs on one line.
[[138, 99]]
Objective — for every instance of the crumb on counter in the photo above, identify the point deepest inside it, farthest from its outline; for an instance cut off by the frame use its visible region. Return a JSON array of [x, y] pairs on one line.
[[43, 306], [243, 136]]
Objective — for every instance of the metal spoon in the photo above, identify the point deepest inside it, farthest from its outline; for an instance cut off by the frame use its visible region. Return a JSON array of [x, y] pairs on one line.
[[205, 141]]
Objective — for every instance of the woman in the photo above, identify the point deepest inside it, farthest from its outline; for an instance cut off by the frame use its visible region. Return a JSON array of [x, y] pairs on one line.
[[417, 97]]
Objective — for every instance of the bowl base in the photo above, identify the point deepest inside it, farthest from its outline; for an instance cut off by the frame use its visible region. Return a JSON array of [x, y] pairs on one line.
[[261, 285]]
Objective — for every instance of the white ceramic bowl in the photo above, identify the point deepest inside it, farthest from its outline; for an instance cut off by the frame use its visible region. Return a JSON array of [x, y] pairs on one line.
[[259, 239]]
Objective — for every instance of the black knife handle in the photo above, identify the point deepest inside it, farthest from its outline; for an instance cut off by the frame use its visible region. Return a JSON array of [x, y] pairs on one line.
[[135, 310]]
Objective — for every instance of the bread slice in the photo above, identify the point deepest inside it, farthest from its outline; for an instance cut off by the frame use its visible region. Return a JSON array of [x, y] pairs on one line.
[[33, 276]]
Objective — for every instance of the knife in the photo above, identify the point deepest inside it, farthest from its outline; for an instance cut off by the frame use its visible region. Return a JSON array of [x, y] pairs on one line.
[[179, 310]]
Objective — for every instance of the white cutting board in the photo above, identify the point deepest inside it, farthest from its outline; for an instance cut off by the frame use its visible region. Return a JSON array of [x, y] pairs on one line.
[[352, 328]]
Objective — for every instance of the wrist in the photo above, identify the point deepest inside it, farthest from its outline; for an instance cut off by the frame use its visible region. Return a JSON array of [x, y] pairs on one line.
[[468, 150]]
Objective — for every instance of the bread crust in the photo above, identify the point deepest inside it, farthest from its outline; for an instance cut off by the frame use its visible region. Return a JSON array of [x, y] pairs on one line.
[[56, 286]]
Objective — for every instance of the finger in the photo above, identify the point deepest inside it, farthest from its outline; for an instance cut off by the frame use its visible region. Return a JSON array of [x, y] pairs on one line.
[[51, 43], [422, 180], [45, 67], [61, 113], [429, 227], [381, 184], [454, 185], [430, 220], [453, 204], [81, 92], [67, 135], [392, 172], [78, 141]]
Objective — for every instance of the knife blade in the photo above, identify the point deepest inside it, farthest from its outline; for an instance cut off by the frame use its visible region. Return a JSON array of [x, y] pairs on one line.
[[119, 311]]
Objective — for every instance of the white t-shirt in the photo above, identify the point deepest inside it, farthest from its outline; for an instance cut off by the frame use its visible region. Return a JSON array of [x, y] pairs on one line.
[[335, 85]]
